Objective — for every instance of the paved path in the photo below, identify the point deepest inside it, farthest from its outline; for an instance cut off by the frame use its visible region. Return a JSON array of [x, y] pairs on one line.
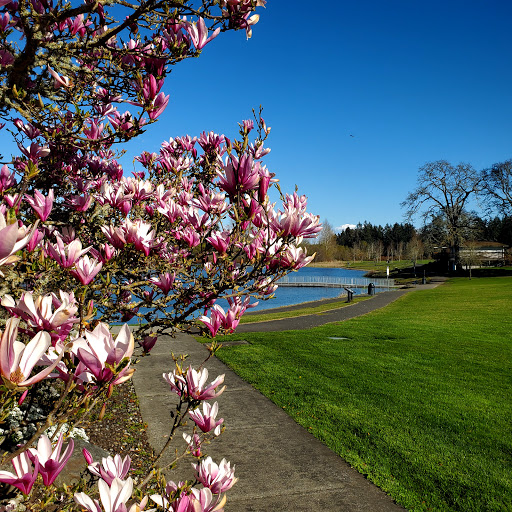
[[334, 315], [281, 466]]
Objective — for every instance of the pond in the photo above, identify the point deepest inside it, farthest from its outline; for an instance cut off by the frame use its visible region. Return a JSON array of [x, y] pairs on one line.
[[288, 296]]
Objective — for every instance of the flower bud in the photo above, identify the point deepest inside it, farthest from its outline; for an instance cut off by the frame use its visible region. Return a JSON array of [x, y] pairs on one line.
[[87, 456]]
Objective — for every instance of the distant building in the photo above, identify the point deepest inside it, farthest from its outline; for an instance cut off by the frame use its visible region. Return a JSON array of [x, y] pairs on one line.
[[477, 254], [488, 253]]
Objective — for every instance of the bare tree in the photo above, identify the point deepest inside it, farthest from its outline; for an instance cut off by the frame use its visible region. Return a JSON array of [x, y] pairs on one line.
[[415, 251], [356, 252], [399, 250], [379, 249], [470, 256], [327, 242], [444, 188], [498, 186]]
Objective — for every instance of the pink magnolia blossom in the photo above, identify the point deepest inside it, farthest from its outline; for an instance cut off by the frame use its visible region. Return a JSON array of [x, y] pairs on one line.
[[206, 500], [199, 33], [252, 207], [164, 281], [12, 239], [66, 255], [98, 352], [107, 252], [210, 141], [238, 306], [174, 163], [250, 20], [247, 125], [12, 200], [28, 129], [216, 320], [94, 131], [218, 478], [116, 236], [158, 105], [170, 209], [77, 26], [17, 360], [194, 444], [190, 236], [113, 498], [51, 463], [35, 240], [181, 499], [193, 217], [296, 202], [5, 21], [110, 467], [41, 205], [116, 196], [193, 384], [292, 257], [265, 286], [228, 320], [266, 178], [220, 241], [210, 201], [295, 221], [121, 122], [79, 203], [26, 473], [140, 234], [206, 421], [40, 314], [146, 159], [148, 343], [60, 81], [259, 151], [185, 499], [151, 87], [34, 152], [6, 58], [239, 176], [6, 179], [139, 189], [86, 269]]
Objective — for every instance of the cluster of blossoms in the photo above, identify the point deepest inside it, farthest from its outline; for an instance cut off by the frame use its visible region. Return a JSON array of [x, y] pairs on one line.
[[198, 227], [83, 245], [98, 361]]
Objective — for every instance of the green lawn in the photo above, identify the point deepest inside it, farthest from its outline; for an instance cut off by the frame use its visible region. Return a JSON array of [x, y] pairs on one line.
[[367, 265], [306, 310], [417, 397]]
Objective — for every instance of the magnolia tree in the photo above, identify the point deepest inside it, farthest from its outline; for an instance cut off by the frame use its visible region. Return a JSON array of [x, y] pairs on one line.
[[83, 246]]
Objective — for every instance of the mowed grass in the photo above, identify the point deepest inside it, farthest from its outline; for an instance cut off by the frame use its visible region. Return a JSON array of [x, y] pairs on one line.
[[369, 265], [417, 397], [306, 310]]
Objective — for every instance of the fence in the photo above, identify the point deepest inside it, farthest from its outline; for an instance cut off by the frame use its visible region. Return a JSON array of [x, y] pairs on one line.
[[335, 282]]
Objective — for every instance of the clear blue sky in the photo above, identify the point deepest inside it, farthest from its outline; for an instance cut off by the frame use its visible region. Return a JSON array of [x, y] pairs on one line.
[[411, 81]]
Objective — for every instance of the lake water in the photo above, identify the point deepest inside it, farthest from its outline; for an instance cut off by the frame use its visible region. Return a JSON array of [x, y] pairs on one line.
[[288, 295], [291, 295]]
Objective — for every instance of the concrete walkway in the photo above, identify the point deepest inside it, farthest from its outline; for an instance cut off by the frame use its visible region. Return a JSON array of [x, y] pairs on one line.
[[280, 466], [335, 315]]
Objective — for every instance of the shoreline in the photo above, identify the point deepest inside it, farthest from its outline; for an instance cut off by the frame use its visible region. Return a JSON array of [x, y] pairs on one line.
[[334, 264], [295, 307]]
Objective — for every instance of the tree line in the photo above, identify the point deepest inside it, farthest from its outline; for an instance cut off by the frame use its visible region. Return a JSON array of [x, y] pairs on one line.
[[400, 241], [441, 200]]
